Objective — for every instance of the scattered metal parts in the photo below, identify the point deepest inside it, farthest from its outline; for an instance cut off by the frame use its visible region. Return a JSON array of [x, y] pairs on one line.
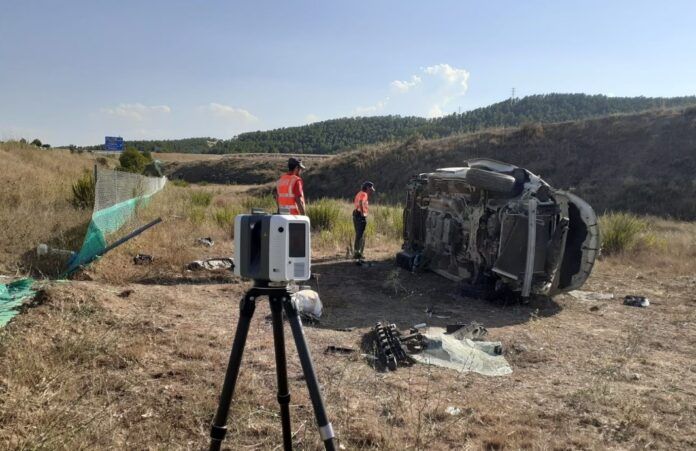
[[143, 259], [591, 295], [636, 301], [208, 241], [338, 350], [346, 329], [211, 264], [390, 352], [473, 331]]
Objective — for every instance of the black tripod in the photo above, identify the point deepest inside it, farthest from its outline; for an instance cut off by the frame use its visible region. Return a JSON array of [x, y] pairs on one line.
[[279, 298]]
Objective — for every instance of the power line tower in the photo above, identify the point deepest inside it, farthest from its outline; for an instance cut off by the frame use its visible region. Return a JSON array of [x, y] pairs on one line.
[[512, 96]]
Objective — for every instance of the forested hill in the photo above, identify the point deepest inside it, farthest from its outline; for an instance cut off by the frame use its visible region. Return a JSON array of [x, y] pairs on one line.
[[336, 135]]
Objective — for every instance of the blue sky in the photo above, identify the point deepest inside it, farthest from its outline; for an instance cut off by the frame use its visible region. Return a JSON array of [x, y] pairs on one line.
[[74, 71]]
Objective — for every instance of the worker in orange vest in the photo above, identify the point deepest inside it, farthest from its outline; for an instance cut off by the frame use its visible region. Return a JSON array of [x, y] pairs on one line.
[[360, 218], [289, 193]]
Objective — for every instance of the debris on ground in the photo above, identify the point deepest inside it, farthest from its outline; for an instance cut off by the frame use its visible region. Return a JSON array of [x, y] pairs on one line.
[[308, 304], [636, 301], [211, 264], [591, 295], [143, 259], [387, 344], [454, 411], [207, 241], [346, 329], [331, 349], [125, 293], [463, 355], [472, 331]]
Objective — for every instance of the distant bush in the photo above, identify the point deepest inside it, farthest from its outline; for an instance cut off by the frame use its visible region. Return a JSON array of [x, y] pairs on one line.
[[201, 198], [224, 217], [323, 214], [620, 232], [266, 203], [36, 142], [83, 192], [132, 160], [532, 130], [180, 183]]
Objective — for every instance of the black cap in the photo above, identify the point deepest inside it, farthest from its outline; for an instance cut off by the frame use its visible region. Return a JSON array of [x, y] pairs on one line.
[[295, 162], [367, 185]]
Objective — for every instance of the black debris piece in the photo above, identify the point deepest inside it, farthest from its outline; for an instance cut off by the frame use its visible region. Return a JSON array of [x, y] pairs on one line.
[[331, 349], [125, 293], [636, 301], [143, 259]]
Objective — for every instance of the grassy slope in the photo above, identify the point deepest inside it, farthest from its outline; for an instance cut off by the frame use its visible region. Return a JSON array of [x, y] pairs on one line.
[[88, 368], [644, 163], [35, 202]]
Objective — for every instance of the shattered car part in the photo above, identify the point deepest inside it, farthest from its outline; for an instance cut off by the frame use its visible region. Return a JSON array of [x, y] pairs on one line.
[[143, 259], [497, 227], [636, 301], [211, 264], [390, 352]]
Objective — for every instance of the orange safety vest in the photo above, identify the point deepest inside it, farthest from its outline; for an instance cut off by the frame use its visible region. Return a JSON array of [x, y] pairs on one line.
[[286, 197], [361, 196]]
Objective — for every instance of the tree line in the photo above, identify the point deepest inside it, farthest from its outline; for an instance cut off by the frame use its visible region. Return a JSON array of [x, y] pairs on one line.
[[336, 135]]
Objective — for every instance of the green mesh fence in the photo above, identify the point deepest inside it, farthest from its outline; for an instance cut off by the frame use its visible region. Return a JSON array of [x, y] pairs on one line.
[[11, 297], [118, 199]]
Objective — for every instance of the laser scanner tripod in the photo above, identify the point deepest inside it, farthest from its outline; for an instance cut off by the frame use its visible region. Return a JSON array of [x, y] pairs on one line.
[[279, 298]]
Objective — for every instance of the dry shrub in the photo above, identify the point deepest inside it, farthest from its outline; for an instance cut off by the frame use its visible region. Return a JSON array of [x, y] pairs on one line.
[[83, 191], [35, 202], [620, 231]]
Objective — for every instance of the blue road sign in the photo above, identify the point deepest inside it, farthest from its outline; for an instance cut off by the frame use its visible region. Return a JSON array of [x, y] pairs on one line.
[[114, 143]]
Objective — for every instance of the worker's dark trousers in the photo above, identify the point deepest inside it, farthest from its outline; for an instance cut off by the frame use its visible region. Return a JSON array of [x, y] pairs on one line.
[[360, 223]]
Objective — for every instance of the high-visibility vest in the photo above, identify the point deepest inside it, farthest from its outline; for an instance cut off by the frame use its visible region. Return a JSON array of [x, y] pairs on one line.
[[361, 197], [286, 197]]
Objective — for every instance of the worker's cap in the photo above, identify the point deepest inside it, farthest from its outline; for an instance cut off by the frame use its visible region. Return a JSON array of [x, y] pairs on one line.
[[295, 162], [367, 185]]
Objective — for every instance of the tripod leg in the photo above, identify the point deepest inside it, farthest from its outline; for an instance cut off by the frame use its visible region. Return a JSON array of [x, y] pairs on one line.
[[325, 429], [281, 369], [218, 428]]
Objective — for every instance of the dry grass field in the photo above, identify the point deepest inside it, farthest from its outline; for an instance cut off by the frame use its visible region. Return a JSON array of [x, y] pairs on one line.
[[133, 357]]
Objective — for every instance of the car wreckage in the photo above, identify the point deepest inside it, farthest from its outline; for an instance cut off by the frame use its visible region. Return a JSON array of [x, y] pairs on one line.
[[498, 228]]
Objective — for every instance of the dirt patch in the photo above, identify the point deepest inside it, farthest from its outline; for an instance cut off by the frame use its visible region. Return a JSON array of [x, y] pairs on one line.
[[144, 371]]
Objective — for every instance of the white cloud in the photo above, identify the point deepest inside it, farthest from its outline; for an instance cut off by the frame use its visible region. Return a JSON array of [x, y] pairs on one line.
[[229, 112], [136, 111], [311, 117], [366, 110], [435, 111], [405, 86], [438, 86], [451, 75]]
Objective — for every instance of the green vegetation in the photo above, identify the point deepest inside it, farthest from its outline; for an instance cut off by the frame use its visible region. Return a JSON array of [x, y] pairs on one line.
[[201, 198], [266, 203], [83, 192], [324, 213], [620, 232], [337, 135], [224, 217], [180, 183], [132, 160]]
